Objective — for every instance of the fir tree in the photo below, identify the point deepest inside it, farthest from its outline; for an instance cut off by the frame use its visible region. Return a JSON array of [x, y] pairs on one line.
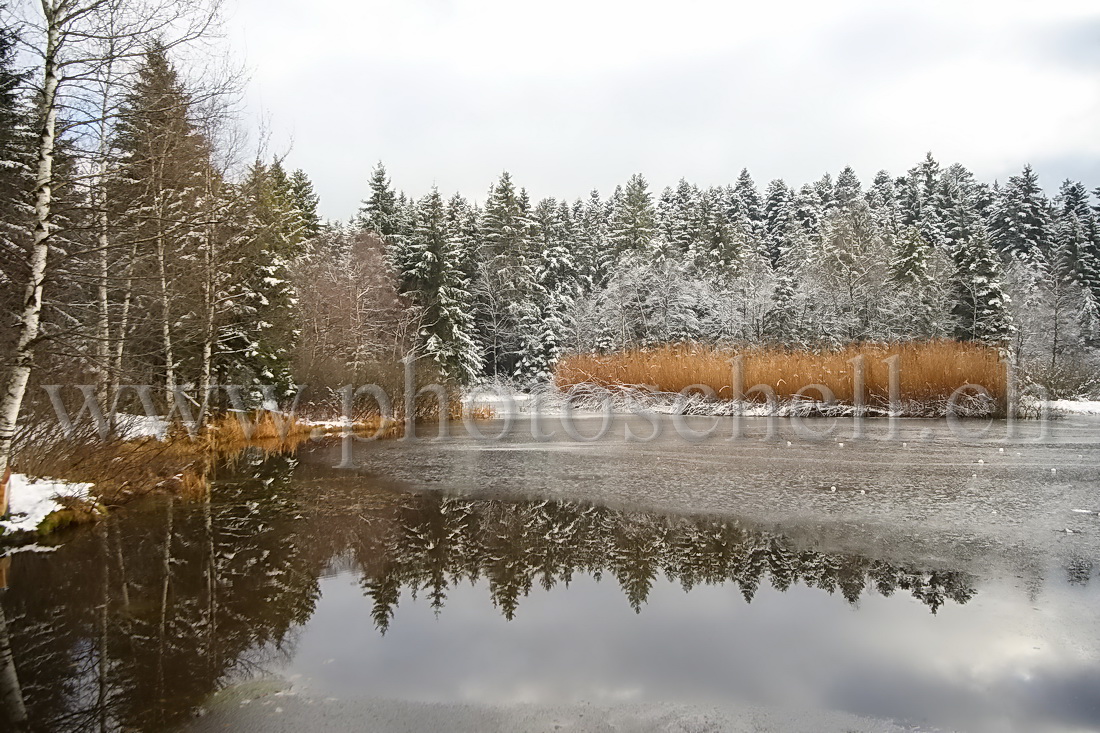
[[505, 275], [555, 288], [848, 189], [435, 279], [981, 305], [1021, 221], [746, 206], [955, 205], [305, 203], [632, 220], [882, 197], [379, 210]]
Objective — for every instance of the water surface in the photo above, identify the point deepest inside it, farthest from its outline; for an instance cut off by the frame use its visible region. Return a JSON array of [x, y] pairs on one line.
[[480, 585]]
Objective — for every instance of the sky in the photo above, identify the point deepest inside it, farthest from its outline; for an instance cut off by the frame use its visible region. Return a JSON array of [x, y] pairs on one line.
[[575, 95]]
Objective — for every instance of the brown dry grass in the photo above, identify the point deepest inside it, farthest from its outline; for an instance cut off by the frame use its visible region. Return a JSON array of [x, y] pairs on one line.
[[929, 371]]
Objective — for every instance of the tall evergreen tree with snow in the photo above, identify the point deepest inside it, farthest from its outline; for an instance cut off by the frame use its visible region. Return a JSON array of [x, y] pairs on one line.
[[956, 206], [809, 210], [155, 208], [882, 197], [825, 190], [746, 206], [15, 187], [505, 275], [262, 341], [632, 220], [780, 223], [918, 200], [848, 189], [592, 255], [680, 220], [1077, 235], [378, 212], [1021, 219], [556, 285], [305, 202], [434, 278], [717, 246], [981, 305], [1070, 311]]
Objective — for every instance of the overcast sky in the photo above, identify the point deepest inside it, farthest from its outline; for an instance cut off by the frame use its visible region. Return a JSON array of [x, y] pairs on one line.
[[577, 94]]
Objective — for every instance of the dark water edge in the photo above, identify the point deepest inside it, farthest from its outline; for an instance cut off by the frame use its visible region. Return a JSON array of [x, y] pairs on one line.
[[466, 573]]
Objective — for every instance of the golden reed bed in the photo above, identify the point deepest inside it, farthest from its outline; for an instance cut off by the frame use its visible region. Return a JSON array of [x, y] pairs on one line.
[[928, 371]]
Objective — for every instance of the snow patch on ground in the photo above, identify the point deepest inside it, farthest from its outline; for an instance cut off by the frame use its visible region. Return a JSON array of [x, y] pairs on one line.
[[1076, 407], [133, 427], [30, 500]]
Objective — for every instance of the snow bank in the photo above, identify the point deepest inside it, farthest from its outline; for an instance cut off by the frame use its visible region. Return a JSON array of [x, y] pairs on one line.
[[1076, 407], [30, 500], [133, 427]]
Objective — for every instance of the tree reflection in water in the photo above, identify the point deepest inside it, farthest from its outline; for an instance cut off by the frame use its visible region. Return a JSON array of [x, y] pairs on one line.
[[133, 623]]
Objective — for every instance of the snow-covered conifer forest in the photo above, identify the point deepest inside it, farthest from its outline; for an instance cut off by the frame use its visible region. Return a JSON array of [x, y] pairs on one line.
[[506, 285]]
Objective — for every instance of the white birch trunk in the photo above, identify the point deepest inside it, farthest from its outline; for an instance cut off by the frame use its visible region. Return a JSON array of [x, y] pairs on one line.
[[12, 398]]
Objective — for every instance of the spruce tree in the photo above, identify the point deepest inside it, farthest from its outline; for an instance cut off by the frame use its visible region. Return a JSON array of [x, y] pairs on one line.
[[1021, 219], [156, 212], [505, 275], [15, 185], [632, 221], [746, 206], [305, 202], [555, 288], [379, 210], [848, 189], [981, 305], [882, 197], [435, 280], [780, 221], [955, 206], [592, 251]]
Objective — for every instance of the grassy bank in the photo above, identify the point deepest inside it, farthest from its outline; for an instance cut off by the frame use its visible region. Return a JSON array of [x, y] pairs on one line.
[[928, 372], [179, 464]]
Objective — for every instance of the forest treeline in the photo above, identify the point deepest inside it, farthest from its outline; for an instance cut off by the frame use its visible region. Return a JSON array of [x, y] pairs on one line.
[[146, 241], [509, 286]]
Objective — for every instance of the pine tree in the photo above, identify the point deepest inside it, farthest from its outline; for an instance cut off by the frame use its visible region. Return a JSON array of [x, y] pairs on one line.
[[981, 305], [591, 229], [1021, 222], [1076, 233], [157, 212], [305, 203], [555, 288], [918, 200], [632, 221], [261, 343], [882, 197], [746, 206], [505, 275], [15, 185], [781, 226], [809, 210], [848, 189], [717, 247], [380, 208], [436, 281], [682, 219]]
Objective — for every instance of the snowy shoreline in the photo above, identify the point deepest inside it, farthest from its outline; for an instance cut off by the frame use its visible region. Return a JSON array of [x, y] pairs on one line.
[[32, 500]]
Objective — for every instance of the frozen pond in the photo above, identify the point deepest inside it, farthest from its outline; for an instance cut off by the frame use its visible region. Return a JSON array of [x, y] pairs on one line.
[[919, 580]]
